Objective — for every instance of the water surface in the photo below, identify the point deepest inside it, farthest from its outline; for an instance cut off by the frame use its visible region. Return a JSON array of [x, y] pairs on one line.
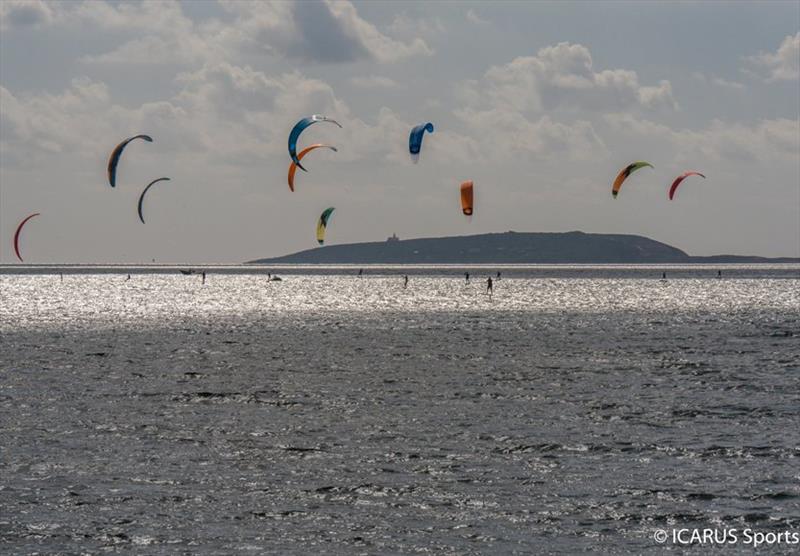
[[332, 414]]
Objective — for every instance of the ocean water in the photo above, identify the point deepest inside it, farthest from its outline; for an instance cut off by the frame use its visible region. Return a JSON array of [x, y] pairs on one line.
[[571, 411]]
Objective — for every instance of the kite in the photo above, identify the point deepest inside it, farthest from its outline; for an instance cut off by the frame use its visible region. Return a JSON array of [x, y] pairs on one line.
[[466, 198], [141, 197], [415, 139], [117, 153], [298, 129], [322, 225], [629, 169], [16, 235], [679, 179], [301, 154]]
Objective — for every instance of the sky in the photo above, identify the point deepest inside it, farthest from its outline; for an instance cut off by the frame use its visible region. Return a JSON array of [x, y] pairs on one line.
[[540, 104]]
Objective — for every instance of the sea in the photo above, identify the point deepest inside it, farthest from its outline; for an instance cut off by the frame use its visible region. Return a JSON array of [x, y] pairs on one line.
[[574, 409]]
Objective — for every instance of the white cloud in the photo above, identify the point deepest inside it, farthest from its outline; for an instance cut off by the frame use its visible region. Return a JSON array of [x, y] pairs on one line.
[[374, 82], [563, 76], [52, 122], [378, 45], [475, 18], [150, 50], [162, 17], [661, 95], [769, 139], [404, 26], [150, 33], [160, 33], [782, 65], [718, 81], [543, 105], [327, 32], [243, 112], [222, 114], [505, 134], [727, 84]]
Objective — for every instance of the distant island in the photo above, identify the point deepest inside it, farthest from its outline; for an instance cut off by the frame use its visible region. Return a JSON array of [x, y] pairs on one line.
[[511, 248]]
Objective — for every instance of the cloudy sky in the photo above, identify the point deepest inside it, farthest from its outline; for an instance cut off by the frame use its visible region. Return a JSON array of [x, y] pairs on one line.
[[540, 104]]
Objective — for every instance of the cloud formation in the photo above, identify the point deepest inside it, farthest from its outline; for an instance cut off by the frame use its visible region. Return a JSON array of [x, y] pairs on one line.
[[374, 82], [776, 140], [781, 65], [562, 76], [513, 108], [158, 33], [330, 31], [473, 17], [49, 122], [24, 13], [220, 86]]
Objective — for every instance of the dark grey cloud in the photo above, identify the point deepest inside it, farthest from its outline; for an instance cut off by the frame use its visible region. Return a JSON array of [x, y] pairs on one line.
[[16, 14], [324, 38]]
